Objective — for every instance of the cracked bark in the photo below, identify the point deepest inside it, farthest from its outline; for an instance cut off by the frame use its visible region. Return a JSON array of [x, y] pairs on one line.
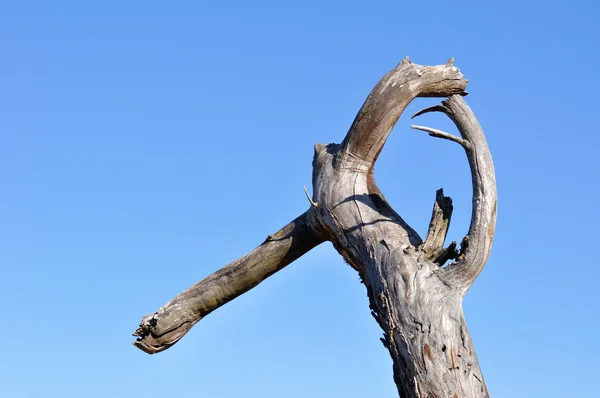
[[416, 301]]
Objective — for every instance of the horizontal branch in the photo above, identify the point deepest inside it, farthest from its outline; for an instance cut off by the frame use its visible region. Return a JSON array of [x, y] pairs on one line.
[[163, 328]]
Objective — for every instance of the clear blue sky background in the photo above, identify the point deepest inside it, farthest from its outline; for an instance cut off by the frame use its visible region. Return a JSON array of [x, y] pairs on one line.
[[144, 145]]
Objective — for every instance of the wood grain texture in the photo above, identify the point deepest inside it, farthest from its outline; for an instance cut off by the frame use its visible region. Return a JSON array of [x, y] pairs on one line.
[[163, 328], [416, 301], [433, 245], [476, 246]]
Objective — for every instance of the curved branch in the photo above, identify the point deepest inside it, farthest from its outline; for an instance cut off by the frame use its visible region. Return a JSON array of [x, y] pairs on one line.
[[163, 328], [387, 101], [477, 244]]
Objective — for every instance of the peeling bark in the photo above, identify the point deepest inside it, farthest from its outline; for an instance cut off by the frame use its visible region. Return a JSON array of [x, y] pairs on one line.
[[416, 301]]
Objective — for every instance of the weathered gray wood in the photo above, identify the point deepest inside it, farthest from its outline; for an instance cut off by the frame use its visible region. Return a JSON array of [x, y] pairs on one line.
[[416, 301], [477, 244], [433, 245], [163, 328]]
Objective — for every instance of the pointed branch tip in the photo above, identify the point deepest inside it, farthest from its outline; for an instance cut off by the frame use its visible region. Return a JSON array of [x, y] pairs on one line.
[[442, 134], [435, 108], [312, 202]]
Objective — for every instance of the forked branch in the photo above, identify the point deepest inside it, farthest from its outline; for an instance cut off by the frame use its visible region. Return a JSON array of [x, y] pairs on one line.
[[348, 209], [365, 139], [477, 244]]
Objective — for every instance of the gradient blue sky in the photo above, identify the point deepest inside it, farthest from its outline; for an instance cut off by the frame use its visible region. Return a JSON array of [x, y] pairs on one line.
[[144, 145]]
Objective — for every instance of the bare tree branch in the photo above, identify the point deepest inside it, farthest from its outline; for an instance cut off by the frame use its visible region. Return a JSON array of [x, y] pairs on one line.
[[375, 120], [409, 294], [433, 245], [387, 101], [417, 303], [163, 328], [312, 202], [445, 254], [476, 247], [442, 134]]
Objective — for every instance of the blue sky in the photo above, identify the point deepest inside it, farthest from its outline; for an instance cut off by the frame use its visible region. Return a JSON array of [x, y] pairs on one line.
[[144, 145]]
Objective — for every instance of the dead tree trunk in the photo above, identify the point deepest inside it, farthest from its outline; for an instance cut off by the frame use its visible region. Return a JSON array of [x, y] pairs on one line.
[[416, 300]]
